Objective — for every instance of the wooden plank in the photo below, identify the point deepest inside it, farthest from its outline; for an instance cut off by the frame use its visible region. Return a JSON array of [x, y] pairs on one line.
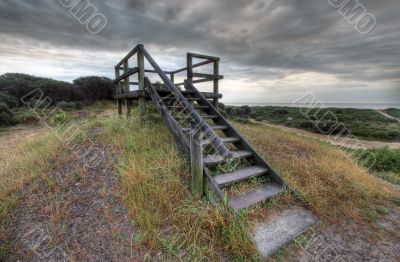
[[189, 129], [196, 164], [217, 159], [142, 100], [137, 93], [216, 83], [256, 196], [240, 175], [208, 76], [229, 140], [126, 87], [203, 116], [129, 55], [196, 81], [193, 66], [189, 64], [125, 75], [118, 92], [214, 58]]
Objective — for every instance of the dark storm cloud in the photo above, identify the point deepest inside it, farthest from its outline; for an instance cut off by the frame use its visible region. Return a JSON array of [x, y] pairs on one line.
[[294, 35]]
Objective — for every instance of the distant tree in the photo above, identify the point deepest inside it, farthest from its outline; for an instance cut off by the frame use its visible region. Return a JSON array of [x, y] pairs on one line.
[[93, 88], [19, 85]]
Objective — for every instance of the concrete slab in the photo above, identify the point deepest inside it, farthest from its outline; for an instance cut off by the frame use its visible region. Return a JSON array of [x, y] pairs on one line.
[[270, 235]]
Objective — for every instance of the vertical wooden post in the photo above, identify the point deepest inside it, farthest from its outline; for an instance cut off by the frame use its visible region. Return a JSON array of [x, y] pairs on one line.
[[189, 63], [196, 164], [142, 100], [126, 88], [216, 83], [118, 92]]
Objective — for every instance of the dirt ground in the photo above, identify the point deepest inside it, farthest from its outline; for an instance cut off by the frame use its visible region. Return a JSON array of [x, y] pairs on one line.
[[350, 240], [75, 213], [16, 135]]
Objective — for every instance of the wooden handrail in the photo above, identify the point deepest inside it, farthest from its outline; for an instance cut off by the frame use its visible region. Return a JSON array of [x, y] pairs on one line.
[[198, 120]]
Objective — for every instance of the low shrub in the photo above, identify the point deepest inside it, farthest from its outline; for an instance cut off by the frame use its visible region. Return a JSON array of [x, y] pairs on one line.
[[10, 100], [6, 115], [69, 106]]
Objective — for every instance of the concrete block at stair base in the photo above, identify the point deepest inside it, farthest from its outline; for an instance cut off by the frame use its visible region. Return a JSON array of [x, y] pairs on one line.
[[271, 235]]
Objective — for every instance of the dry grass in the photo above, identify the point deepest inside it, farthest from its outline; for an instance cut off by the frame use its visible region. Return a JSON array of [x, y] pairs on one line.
[[325, 177], [157, 195], [20, 162]]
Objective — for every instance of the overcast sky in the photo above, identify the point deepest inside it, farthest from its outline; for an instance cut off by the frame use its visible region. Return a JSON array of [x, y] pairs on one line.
[[271, 50]]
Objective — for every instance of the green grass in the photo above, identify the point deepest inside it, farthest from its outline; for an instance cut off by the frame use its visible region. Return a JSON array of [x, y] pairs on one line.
[[385, 163], [395, 112], [157, 195], [363, 123]]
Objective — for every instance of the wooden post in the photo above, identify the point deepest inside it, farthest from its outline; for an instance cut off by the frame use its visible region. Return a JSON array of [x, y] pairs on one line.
[[126, 88], [118, 92], [216, 83], [196, 164], [142, 100], [189, 63]]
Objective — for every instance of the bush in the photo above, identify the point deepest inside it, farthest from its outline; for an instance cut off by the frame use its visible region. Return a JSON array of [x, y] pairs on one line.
[[6, 115], [242, 120], [386, 159], [10, 100], [259, 119], [27, 117], [69, 106], [93, 88]]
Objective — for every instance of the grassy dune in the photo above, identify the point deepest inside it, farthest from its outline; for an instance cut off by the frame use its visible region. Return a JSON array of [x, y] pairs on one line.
[[326, 178], [156, 183]]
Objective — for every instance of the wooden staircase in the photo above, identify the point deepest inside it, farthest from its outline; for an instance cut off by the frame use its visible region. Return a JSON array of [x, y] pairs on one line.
[[249, 164], [233, 170]]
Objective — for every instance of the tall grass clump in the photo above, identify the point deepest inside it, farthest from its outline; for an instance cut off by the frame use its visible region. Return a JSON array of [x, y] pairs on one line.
[[325, 177], [156, 181]]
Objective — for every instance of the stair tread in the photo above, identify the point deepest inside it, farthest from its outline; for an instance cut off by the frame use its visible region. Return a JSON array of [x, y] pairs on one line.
[[216, 158], [220, 127], [172, 98], [239, 175], [226, 140], [203, 116], [182, 91], [255, 196], [195, 107]]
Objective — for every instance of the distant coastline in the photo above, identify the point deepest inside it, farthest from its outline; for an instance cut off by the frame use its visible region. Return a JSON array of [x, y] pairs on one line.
[[326, 105]]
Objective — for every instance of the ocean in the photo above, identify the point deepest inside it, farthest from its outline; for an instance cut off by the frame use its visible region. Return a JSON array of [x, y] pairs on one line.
[[336, 105]]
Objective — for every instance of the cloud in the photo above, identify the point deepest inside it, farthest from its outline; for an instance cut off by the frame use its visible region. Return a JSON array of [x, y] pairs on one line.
[[257, 39]]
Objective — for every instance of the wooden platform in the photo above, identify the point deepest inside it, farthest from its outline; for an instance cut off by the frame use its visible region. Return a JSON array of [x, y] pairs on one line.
[[134, 95]]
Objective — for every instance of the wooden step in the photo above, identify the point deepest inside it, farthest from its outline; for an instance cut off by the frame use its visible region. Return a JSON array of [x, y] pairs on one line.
[[167, 91], [181, 107], [189, 129], [172, 98], [203, 116], [228, 140], [239, 175], [255, 196], [217, 159]]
